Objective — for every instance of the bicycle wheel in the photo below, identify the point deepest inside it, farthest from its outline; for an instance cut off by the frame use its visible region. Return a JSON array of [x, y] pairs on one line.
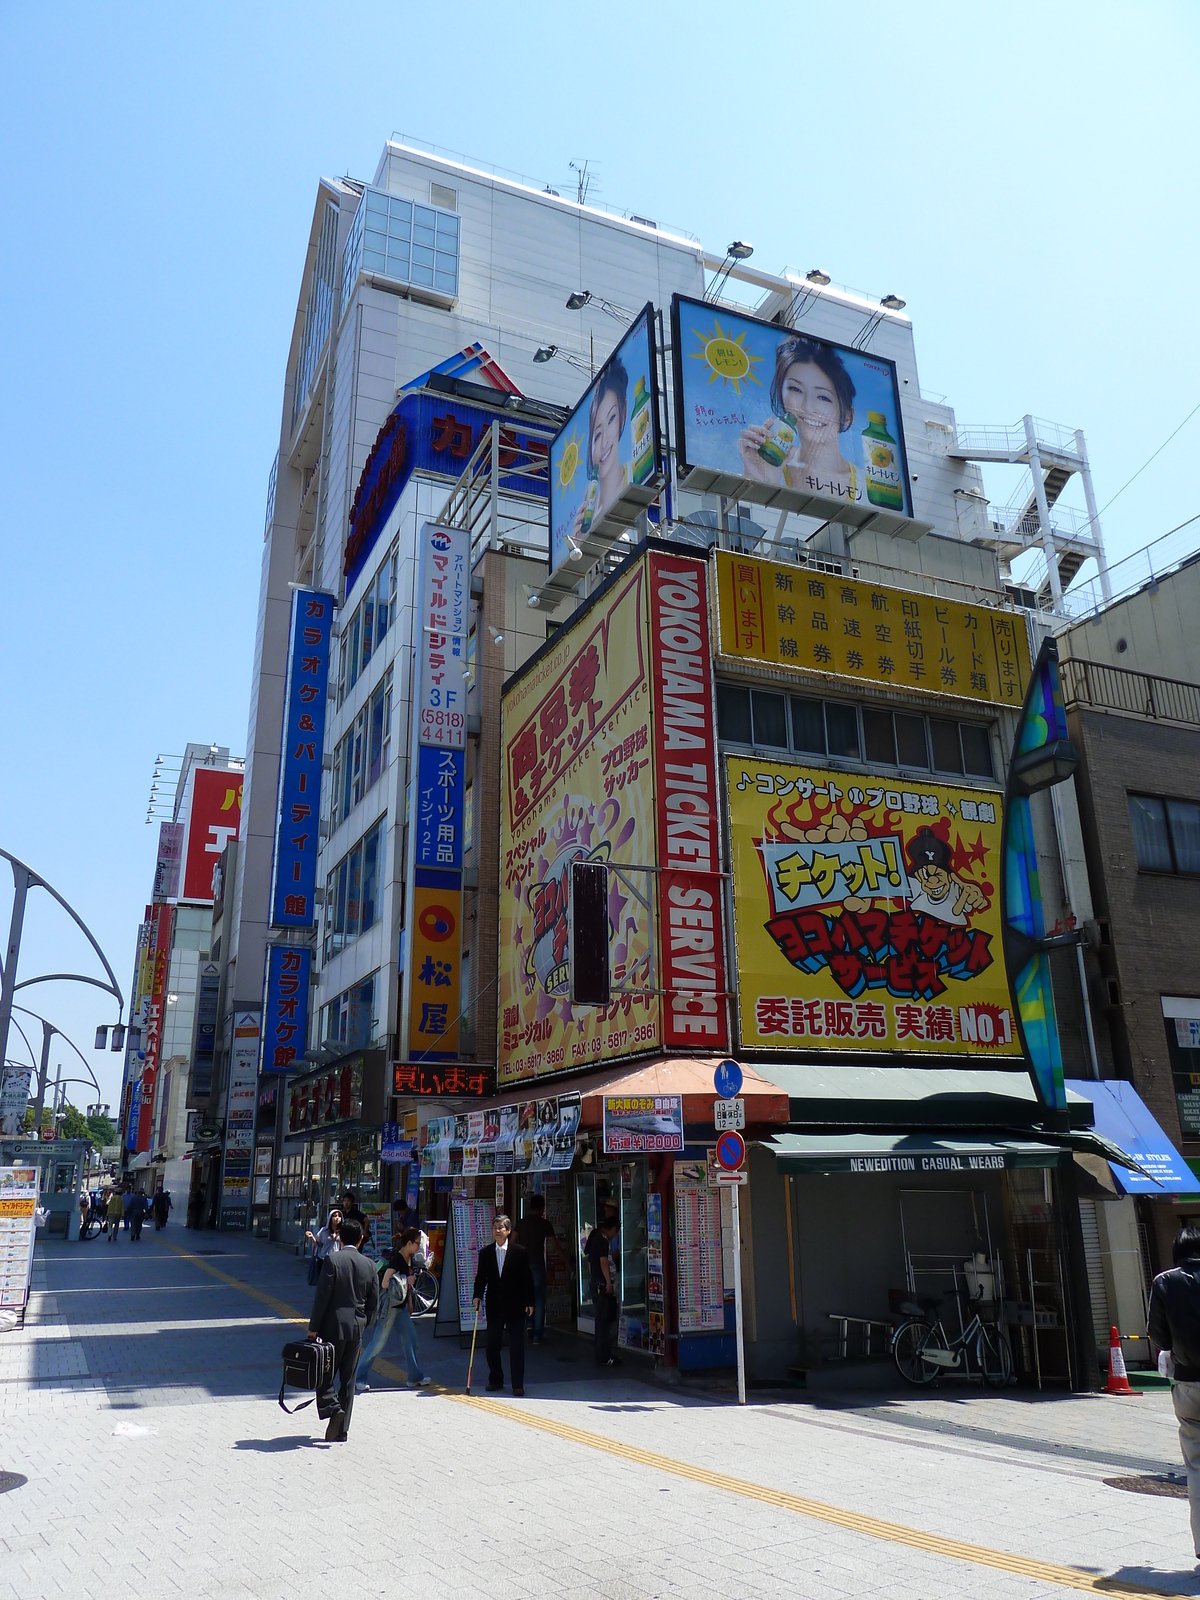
[[425, 1291], [995, 1357], [909, 1341]]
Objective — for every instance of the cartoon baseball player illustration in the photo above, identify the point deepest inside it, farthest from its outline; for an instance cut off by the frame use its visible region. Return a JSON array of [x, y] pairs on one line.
[[941, 894]]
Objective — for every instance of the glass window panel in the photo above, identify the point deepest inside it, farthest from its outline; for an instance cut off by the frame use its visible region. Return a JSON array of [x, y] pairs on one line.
[[376, 749], [376, 202], [347, 777], [352, 645], [370, 887], [879, 740], [770, 719], [424, 217], [359, 1027], [387, 721], [977, 750], [445, 281], [357, 754], [422, 275], [446, 263], [447, 227], [841, 729], [943, 737], [354, 891], [910, 741], [1149, 820], [733, 714], [424, 236], [1184, 817], [383, 612], [422, 257], [374, 261], [339, 904], [368, 628], [375, 238], [398, 227], [808, 726]]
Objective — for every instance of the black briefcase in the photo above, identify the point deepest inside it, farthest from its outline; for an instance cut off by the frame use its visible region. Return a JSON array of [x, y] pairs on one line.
[[307, 1364]]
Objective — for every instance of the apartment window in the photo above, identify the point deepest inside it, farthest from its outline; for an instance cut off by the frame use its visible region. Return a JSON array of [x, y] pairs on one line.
[[398, 239], [350, 1019], [1166, 834], [363, 753], [879, 736], [352, 891], [318, 316], [365, 631]]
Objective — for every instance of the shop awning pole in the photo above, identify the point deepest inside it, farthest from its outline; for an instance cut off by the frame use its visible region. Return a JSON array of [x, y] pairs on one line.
[[737, 1296]]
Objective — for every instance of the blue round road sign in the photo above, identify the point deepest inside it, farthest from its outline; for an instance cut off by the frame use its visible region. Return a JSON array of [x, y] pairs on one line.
[[727, 1079], [731, 1152]]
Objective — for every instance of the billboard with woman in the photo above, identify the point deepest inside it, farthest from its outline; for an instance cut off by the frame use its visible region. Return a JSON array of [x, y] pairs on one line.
[[797, 418], [606, 463]]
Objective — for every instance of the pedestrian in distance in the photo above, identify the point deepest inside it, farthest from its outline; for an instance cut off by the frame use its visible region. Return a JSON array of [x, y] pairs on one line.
[[1174, 1326], [85, 1208], [135, 1210], [347, 1299], [504, 1287], [396, 1307], [598, 1251], [114, 1213], [351, 1208], [533, 1232], [162, 1208]]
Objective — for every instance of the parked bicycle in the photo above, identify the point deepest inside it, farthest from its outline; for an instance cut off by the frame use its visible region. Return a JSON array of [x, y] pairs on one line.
[[923, 1352]]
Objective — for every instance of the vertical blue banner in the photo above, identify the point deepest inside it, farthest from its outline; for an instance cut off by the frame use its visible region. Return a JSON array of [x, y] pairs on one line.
[[285, 1006], [439, 807], [135, 1116], [293, 898]]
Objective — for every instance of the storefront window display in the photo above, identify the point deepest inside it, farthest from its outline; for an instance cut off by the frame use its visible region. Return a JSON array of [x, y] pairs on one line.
[[618, 1188]]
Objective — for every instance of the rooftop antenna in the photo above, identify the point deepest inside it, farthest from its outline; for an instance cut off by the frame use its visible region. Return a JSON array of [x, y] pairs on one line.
[[583, 181]]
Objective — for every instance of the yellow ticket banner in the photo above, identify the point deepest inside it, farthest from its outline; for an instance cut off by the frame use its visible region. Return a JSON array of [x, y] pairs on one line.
[[790, 616], [867, 913]]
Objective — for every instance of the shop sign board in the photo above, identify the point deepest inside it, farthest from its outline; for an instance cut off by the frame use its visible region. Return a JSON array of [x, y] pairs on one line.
[[326, 1097], [531, 1136], [155, 1017], [214, 818], [435, 956], [18, 1208], [14, 1099], [297, 838], [453, 1079], [787, 616], [606, 461], [577, 785], [285, 1006], [443, 622], [867, 913], [771, 414], [239, 1120], [640, 1124], [690, 899], [439, 810], [729, 1114], [170, 858]]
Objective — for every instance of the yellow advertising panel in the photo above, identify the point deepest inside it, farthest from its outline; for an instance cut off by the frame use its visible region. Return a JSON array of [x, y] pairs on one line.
[[790, 616], [578, 785], [867, 913], [436, 957]]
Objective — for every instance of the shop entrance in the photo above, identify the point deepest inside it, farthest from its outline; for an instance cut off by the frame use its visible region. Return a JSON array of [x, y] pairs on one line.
[[620, 1189]]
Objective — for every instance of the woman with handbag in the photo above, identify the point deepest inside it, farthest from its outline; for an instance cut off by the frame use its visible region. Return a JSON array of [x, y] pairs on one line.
[[325, 1241], [396, 1305]]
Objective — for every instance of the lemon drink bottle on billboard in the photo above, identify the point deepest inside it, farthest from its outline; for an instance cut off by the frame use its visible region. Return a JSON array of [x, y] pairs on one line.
[[590, 496], [780, 437], [881, 458], [642, 434]]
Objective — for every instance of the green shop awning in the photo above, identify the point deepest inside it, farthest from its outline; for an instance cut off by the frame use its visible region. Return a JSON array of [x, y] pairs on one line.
[[828, 1093], [869, 1154]]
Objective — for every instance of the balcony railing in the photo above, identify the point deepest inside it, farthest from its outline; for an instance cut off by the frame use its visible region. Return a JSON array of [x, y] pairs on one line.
[[1104, 688]]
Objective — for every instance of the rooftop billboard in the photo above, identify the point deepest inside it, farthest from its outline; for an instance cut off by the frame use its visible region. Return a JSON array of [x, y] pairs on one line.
[[780, 417], [606, 461]]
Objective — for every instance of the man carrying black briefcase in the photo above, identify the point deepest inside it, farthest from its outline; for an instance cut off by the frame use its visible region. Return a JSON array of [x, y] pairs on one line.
[[346, 1300]]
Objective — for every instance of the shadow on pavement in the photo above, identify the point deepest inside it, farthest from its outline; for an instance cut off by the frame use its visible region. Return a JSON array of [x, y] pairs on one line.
[[1151, 1579], [272, 1447]]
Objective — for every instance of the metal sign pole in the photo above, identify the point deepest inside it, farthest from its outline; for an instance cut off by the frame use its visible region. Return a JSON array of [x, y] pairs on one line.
[[737, 1297]]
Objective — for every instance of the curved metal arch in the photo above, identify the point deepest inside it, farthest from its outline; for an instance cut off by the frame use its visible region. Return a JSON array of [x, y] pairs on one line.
[[69, 977], [35, 880]]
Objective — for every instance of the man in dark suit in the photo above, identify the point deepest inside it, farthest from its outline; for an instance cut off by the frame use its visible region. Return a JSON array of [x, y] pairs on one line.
[[347, 1298], [504, 1283]]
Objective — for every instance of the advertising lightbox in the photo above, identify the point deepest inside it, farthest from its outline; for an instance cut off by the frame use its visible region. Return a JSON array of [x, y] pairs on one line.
[[867, 913], [773, 415], [214, 819], [606, 461]]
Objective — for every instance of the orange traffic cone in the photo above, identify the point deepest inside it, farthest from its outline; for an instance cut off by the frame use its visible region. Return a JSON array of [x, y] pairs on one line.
[[1118, 1378]]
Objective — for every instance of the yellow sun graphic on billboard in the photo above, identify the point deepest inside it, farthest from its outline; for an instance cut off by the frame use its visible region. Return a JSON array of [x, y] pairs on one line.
[[571, 457], [726, 356]]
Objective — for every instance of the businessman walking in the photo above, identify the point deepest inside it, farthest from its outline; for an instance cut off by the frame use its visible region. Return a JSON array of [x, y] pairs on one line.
[[347, 1298], [504, 1284]]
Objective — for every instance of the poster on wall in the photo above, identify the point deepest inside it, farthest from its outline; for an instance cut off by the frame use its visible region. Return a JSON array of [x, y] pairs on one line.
[[606, 462], [778, 416], [699, 1273], [639, 1124], [577, 785], [18, 1206], [14, 1099], [867, 913], [785, 616]]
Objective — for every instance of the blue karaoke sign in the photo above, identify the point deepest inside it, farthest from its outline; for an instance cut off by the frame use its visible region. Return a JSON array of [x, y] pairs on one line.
[[297, 839], [285, 1007]]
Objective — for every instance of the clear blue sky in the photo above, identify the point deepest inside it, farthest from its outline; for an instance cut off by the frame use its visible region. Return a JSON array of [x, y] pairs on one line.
[[1024, 176]]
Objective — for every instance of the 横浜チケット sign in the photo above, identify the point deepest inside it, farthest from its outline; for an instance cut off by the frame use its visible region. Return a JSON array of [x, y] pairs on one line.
[[867, 913], [297, 835]]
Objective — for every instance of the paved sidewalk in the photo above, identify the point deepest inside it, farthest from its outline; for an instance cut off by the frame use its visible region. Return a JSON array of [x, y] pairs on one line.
[[139, 1404]]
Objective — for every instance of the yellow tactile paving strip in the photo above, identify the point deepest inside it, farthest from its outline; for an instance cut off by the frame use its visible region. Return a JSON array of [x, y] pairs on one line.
[[935, 1544]]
